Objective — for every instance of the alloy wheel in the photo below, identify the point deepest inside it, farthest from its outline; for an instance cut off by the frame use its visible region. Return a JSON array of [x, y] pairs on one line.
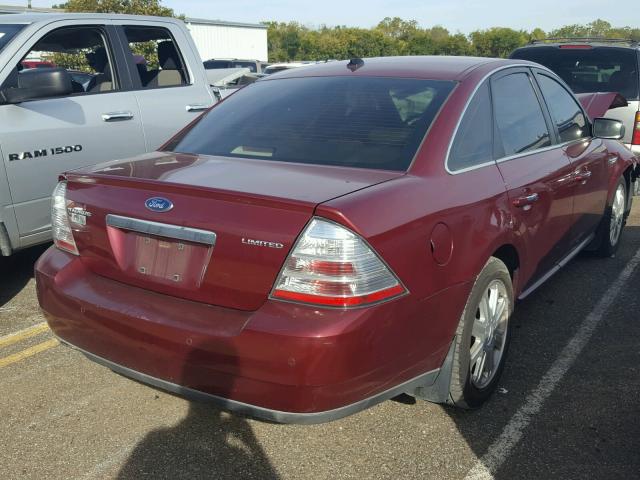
[[489, 334], [617, 214]]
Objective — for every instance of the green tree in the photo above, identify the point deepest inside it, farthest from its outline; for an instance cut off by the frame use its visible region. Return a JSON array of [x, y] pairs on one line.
[[133, 7], [497, 41]]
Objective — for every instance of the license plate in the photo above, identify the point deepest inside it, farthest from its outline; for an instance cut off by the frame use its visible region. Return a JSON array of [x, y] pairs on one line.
[[168, 261]]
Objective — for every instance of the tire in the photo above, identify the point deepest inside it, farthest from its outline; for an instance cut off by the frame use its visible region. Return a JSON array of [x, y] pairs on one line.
[[613, 222], [472, 379]]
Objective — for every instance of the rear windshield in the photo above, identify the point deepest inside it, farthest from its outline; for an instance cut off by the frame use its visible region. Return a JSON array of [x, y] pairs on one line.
[[7, 32], [213, 64], [348, 121], [598, 69]]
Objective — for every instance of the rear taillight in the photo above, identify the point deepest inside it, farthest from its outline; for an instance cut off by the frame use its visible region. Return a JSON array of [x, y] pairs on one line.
[[332, 266], [635, 138], [61, 229]]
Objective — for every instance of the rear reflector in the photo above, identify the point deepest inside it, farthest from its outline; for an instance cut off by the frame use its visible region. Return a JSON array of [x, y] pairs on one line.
[[60, 227], [635, 139], [332, 266]]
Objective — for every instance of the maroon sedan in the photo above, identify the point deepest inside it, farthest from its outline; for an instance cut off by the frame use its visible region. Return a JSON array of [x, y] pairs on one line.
[[335, 235]]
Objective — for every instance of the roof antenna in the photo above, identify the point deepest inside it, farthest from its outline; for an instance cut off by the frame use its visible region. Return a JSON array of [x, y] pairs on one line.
[[29, 4], [355, 63]]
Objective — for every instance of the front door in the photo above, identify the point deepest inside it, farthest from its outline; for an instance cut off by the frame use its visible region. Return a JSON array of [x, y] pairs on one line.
[[42, 138], [536, 173], [589, 157]]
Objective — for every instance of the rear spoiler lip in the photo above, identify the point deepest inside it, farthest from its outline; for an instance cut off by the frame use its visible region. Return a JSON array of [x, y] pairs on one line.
[[597, 104]]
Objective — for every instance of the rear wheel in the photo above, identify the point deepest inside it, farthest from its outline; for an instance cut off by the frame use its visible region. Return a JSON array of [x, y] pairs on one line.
[[482, 338], [613, 221]]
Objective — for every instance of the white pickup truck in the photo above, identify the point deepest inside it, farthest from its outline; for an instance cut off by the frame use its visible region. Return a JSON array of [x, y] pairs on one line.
[[78, 89]]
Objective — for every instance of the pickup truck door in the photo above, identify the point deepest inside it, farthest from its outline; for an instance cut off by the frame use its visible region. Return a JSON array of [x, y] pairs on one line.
[[536, 173], [169, 78], [41, 138]]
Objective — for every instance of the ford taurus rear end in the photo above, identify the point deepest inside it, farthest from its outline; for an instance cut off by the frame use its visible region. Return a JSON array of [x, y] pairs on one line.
[[209, 269]]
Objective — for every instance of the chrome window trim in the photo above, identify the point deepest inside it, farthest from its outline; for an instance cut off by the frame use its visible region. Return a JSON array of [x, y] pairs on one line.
[[162, 229], [464, 111]]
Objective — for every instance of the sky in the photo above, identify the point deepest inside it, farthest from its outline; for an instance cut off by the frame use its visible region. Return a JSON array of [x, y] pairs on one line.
[[456, 15]]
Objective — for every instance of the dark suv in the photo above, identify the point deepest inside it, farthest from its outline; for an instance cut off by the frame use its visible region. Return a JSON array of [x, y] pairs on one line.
[[595, 65]]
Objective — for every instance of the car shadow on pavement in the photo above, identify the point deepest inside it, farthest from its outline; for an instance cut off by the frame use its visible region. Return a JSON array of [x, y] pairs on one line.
[[16, 271], [208, 443]]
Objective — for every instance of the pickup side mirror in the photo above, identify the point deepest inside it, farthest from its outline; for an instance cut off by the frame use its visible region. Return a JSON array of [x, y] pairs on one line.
[[608, 128], [38, 83]]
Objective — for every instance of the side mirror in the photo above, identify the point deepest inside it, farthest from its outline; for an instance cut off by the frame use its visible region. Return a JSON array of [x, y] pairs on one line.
[[608, 128], [38, 83]]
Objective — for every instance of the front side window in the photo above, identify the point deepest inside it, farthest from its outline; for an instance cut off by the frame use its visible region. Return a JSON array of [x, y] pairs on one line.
[[348, 121], [565, 111], [473, 143], [156, 56], [7, 32], [81, 51], [518, 115]]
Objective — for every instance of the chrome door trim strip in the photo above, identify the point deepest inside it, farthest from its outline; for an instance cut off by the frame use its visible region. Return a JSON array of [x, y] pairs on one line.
[[148, 227]]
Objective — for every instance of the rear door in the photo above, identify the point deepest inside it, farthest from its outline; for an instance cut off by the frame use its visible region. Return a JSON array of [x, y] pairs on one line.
[[169, 79], [536, 172], [44, 137], [588, 156]]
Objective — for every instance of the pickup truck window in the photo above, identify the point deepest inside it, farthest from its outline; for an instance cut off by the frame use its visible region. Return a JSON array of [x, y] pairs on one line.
[[82, 51], [360, 122], [7, 32], [156, 56]]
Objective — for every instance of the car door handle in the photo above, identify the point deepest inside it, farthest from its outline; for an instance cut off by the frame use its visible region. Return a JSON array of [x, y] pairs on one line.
[[582, 175], [526, 201], [197, 107], [117, 116]]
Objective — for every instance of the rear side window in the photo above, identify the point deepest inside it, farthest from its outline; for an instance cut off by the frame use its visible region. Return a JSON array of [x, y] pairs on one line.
[[348, 121], [518, 115], [156, 56], [473, 143], [565, 111], [597, 69]]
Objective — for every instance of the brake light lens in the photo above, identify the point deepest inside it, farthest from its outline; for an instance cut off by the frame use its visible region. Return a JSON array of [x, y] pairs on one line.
[[635, 139], [332, 266], [61, 229]]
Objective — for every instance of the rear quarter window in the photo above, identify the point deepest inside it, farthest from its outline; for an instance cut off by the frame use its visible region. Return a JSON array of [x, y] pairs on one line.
[[473, 142], [361, 122]]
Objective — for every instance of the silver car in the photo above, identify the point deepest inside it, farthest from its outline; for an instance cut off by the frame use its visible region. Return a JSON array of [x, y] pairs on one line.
[[595, 65]]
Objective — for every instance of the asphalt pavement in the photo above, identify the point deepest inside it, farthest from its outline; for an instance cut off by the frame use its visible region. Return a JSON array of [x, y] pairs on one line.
[[567, 407]]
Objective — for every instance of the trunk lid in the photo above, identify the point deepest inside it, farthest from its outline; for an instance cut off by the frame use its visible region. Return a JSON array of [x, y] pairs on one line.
[[228, 233]]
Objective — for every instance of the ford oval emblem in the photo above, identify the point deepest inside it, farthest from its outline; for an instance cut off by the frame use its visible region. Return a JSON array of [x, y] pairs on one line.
[[158, 204]]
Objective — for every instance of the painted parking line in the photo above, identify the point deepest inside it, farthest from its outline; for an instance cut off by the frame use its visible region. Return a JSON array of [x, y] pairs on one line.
[[490, 462], [29, 352], [23, 334]]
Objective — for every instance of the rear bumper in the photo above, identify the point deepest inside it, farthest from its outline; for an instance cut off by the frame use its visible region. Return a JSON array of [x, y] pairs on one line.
[[282, 362]]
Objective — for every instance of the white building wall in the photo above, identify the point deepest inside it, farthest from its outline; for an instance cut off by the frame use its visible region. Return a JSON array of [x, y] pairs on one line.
[[222, 41]]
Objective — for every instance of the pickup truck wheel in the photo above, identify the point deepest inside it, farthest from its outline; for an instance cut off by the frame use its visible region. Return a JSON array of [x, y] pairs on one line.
[[613, 222], [482, 338]]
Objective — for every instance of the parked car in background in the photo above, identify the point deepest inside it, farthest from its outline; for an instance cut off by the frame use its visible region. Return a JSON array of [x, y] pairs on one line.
[[254, 66], [98, 99], [595, 65], [279, 67], [333, 236]]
